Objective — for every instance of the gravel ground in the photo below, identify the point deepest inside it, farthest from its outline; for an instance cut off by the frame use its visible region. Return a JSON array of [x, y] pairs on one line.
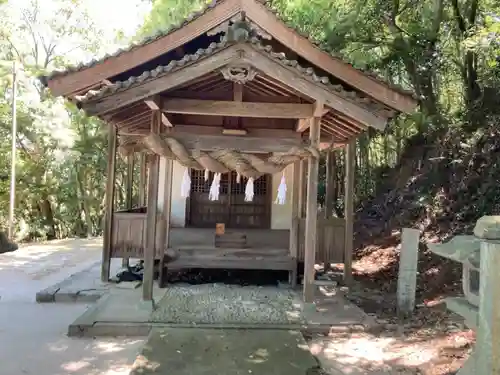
[[228, 304]]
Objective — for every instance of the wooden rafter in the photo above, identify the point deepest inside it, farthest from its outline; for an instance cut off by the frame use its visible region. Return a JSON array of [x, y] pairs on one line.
[[315, 91]]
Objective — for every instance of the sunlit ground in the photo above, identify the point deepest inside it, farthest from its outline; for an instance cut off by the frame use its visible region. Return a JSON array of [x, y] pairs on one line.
[[33, 336], [33, 341]]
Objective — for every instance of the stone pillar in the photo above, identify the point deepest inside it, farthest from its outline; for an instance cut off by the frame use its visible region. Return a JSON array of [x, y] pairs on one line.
[[407, 278], [488, 333]]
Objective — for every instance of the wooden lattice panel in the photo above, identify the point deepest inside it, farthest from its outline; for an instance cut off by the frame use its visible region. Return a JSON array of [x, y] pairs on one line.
[[231, 208]]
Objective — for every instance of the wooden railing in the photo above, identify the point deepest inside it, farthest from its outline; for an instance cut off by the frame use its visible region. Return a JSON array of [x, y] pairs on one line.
[[330, 240], [129, 234]]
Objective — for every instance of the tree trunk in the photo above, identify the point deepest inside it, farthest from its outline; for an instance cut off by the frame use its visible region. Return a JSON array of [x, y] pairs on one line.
[[48, 218]]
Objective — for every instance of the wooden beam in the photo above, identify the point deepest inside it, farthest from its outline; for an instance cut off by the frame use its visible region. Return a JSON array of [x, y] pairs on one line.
[[113, 66], [154, 104], [318, 111], [151, 218], [261, 16], [237, 109], [208, 130], [210, 138], [110, 194], [323, 146], [155, 86], [317, 91], [245, 143], [311, 215], [302, 125]]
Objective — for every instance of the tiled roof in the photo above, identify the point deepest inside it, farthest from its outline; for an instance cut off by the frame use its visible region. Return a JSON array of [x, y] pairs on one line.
[[308, 73], [158, 72], [200, 13]]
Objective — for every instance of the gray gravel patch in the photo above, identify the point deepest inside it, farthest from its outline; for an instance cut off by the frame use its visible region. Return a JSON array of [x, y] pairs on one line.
[[228, 304]]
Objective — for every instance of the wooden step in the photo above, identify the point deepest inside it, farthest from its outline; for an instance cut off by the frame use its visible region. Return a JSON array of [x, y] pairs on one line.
[[231, 240]]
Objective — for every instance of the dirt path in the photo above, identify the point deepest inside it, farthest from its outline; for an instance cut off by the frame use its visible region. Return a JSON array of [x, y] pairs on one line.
[[33, 336]]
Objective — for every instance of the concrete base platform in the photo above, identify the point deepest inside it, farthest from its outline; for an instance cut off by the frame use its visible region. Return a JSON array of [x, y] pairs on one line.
[[122, 313], [83, 286], [224, 352]]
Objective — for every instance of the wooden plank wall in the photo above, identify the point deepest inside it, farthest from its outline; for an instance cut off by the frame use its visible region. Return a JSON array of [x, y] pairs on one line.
[[330, 240], [129, 235]]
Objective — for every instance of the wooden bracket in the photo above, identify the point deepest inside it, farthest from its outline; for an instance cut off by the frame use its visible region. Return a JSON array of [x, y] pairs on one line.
[[155, 103]]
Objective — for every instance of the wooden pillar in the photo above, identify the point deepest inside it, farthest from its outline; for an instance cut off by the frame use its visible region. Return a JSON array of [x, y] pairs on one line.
[[164, 206], [151, 219], [330, 184], [130, 182], [129, 193], [110, 194], [142, 179], [302, 188], [329, 200], [350, 155], [294, 229], [311, 214]]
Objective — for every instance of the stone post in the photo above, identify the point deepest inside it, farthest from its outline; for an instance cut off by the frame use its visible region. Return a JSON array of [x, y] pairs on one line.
[[488, 334], [407, 278]]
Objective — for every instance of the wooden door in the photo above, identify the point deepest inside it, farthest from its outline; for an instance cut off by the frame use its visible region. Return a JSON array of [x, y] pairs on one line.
[[231, 208]]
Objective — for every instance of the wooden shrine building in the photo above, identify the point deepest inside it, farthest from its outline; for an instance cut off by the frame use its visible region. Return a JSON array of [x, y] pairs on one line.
[[231, 109]]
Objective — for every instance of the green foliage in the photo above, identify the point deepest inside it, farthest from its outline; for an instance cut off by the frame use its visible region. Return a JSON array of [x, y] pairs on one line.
[[168, 13], [60, 164], [445, 50]]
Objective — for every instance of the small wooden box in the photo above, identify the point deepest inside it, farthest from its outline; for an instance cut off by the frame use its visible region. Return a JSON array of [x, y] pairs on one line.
[[220, 229]]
